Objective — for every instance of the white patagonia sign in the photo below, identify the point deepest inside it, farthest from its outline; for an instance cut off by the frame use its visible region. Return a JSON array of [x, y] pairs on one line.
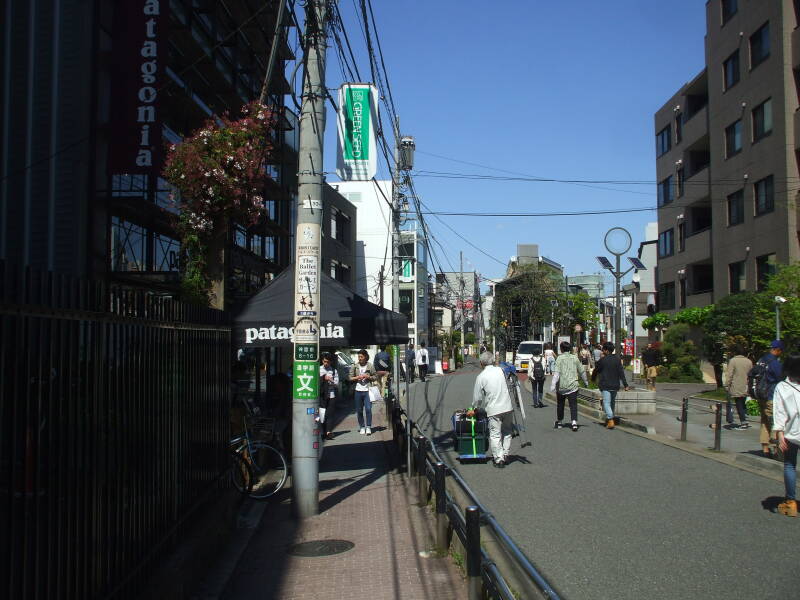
[[276, 332], [357, 158]]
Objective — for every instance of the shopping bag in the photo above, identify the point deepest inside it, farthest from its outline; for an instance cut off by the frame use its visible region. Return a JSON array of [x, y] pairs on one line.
[[374, 393]]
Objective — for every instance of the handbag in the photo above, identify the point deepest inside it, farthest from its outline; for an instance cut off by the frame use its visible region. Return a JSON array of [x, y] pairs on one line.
[[374, 394]]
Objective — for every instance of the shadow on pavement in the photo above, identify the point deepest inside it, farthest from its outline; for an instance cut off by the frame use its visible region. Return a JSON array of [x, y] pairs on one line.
[[771, 503]]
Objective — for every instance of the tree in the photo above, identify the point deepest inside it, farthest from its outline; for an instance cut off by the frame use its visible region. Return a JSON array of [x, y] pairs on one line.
[[785, 283], [739, 318]]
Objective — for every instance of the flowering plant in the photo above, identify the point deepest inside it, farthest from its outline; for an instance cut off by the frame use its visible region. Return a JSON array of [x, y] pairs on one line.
[[220, 173]]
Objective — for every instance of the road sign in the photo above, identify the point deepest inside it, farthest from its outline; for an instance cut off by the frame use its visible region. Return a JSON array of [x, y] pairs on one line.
[[306, 379], [305, 352]]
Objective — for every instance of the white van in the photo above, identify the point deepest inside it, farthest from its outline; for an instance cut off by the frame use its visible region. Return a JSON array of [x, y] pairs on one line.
[[524, 353]]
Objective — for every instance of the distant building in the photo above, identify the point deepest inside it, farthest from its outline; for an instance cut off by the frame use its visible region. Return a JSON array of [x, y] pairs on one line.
[[727, 150], [339, 224]]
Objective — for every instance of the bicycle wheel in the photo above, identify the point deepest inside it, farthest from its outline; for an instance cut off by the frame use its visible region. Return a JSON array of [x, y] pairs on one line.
[[241, 473], [269, 470]]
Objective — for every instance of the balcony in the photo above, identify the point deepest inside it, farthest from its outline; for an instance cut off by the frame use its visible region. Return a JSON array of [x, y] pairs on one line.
[[696, 186], [698, 246], [695, 127]]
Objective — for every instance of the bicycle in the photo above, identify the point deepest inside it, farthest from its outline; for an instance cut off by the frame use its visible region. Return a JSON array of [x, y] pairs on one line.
[[267, 464]]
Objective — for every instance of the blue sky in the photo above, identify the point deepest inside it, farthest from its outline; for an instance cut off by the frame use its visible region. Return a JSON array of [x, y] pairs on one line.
[[546, 89]]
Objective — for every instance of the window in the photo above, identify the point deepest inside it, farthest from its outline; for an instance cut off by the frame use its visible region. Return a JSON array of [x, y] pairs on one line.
[[764, 196], [730, 70], [759, 46], [736, 208], [766, 266], [681, 293], [736, 277], [762, 120], [666, 296], [665, 192], [729, 8], [681, 236], [733, 139], [678, 128], [680, 178], [666, 243], [663, 141]]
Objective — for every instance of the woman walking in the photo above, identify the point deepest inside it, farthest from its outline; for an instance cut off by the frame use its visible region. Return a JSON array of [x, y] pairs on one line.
[[363, 373], [786, 426], [329, 382]]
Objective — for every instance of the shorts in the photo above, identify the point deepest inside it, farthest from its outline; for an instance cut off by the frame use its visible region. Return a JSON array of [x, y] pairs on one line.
[[652, 372]]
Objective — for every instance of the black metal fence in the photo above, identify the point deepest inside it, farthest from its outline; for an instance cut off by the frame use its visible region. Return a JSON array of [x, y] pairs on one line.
[[507, 573], [114, 420]]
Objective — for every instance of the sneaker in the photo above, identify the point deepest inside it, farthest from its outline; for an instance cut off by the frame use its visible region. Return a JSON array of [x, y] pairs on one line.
[[362, 431], [499, 464], [557, 425], [744, 425], [788, 508], [574, 426], [369, 430], [610, 424]]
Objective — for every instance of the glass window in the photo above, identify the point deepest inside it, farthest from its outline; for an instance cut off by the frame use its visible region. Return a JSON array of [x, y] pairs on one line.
[[762, 120], [680, 178], [666, 243], [736, 208], [663, 141], [681, 236], [733, 139], [678, 128], [128, 246], [240, 237], [759, 46], [681, 293], [166, 253], [730, 70], [736, 277], [766, 265], [729, 8], [665, 192], [764, 196], [666, 296]]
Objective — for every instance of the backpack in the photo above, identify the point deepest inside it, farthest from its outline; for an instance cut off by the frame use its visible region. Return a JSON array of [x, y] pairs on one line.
[[538, 369], [757, 386]]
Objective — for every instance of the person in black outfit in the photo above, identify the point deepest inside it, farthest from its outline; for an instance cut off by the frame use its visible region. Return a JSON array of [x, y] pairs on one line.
[[651, 357], [611, 373], [410, 360]]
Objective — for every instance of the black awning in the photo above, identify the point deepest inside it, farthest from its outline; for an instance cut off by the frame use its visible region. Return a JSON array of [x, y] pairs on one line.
[[347, 319]]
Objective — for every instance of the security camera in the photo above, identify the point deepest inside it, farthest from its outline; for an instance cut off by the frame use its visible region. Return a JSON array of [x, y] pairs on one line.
[[780, 299]]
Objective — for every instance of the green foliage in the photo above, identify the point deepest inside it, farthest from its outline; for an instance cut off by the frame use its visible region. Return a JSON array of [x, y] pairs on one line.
[[195, 284], [739, 318], [469, 338], [786, 283], [694, 316], [681, 354], [659, 320], [751, 407]]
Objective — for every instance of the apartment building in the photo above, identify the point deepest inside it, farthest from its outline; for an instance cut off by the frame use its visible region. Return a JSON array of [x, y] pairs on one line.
[[727, 158]]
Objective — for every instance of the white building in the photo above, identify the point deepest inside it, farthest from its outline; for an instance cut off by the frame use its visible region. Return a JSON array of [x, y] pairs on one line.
[[373, 254]]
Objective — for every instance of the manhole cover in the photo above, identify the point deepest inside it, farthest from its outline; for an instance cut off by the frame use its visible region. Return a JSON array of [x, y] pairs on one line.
[[320, 548]]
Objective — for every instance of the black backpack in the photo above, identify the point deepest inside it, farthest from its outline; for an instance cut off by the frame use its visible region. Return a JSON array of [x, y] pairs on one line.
[[757, 385], [538, 369]]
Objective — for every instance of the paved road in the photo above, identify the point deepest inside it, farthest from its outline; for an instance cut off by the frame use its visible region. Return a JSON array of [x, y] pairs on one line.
[[608, 514]]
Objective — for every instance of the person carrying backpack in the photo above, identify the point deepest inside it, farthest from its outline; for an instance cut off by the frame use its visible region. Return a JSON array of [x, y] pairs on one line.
[[536, 375], [762, 379]]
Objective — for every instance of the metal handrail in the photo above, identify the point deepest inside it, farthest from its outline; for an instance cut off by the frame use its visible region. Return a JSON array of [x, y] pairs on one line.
[[458, 522]]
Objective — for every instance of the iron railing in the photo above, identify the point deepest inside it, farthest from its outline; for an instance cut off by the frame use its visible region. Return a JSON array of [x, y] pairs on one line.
[[113, 428], [488, 574]]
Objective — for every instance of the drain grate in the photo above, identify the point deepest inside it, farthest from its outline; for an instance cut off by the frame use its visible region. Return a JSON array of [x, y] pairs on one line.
[[320, 548]]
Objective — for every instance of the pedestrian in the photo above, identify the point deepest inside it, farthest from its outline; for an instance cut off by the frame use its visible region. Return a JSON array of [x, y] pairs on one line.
[[383, 366], [610, 371], [786, 405], [568, 371], [409, 361], [650, 358], [549, 358], [597, 353], [421, 358], [586, 358], [536, 375], [363, 374], [736, 386], [774, 373], [328, 389], [491, 394]]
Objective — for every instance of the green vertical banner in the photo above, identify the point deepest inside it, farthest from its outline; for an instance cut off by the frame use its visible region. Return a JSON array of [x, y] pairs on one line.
[[358, 105], [407, 269], [305, 382]]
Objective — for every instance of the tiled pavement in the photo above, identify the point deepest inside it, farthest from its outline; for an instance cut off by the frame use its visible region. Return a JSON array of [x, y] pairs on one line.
[[363, 502]]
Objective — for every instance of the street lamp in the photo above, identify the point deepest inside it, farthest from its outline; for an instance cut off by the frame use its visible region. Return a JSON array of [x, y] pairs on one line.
[[618, 241], [778, 301]]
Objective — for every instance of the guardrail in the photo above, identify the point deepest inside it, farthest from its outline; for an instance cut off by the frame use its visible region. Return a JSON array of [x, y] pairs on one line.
[[485, 578]]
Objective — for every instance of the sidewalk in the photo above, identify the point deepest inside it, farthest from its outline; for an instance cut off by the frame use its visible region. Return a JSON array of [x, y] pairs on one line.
[[362, 502]]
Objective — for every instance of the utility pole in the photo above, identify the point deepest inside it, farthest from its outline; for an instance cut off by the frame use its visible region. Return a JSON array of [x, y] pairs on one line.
[[305, 381], [381, 279], [461, 300]]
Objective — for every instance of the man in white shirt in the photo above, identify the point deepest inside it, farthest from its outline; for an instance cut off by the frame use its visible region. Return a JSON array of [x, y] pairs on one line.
[[422, 361], [491, 394]]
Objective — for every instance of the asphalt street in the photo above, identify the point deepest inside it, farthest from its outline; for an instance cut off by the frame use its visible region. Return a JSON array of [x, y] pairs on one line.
[[608, 514]]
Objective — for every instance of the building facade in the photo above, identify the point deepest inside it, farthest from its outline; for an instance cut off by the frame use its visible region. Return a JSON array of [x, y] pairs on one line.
[[339, 224], [91, 94], [727, 158]]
